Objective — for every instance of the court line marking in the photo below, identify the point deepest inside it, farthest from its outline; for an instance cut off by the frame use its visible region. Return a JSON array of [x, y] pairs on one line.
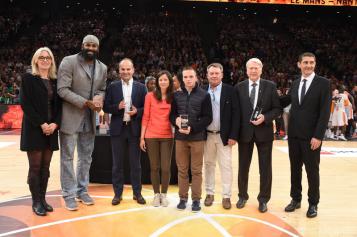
[[166, 227], [74, 220], [6, 144], [207, 217], [216, 225]]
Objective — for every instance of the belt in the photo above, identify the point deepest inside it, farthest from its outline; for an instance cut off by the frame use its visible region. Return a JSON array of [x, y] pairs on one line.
[[126, 123], [214, 132]]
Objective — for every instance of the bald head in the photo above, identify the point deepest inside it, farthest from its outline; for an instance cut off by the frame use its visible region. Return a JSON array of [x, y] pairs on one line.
[[126, 69]]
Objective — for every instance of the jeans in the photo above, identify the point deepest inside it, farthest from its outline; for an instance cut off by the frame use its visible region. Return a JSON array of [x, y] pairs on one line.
[[74, 184]]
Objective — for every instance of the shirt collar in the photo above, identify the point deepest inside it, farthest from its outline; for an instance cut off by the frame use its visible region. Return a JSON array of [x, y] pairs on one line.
[[130, 82], [256, 82], [217, 88], [311, 77]]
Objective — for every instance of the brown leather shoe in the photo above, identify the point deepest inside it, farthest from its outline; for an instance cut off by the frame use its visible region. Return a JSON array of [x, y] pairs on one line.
[[226, 203], [209, 200]]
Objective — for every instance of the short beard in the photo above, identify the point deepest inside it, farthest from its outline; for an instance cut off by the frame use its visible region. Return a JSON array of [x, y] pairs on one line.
[[87, 56]]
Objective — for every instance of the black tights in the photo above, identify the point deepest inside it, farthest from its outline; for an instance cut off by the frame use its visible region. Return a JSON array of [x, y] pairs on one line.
[[39, 161]]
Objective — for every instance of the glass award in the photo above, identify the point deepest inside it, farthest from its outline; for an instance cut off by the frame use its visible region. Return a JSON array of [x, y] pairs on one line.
[[184, 121], [256, 112]]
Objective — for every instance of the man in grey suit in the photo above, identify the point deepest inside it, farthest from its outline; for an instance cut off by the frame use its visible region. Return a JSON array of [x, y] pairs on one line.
[[81, 84]]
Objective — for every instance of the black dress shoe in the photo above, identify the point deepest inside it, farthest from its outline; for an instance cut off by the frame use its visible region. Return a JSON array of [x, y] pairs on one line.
[[292, 206], [116, 200], [241, 203], [312, 211], [262, 207], [47, 206], [139, 199], [38, 209]]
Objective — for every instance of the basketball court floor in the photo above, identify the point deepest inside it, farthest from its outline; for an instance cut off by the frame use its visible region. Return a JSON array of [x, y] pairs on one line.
[[337, 214]]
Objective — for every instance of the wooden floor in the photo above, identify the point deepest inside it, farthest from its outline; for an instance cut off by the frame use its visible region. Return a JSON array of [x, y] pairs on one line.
[[337, 214]]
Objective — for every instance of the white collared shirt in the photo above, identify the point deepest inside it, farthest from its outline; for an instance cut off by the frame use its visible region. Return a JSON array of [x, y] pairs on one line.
[[256, 90], [308, 83], [127, 89]]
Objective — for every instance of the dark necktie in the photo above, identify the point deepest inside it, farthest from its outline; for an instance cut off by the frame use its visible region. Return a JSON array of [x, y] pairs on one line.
[[303, 91], [252, 94]]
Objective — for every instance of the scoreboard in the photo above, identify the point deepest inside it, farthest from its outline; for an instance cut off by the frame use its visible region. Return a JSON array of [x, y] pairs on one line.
[[348, 3]]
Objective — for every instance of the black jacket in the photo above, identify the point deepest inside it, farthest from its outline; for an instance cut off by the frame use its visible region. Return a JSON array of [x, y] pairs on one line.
[[271, 109], [34, 99], [229, 113], [198, 106], [309, 119]]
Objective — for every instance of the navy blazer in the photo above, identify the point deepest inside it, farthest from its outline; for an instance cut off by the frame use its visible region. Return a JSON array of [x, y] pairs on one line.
[[113, 96]]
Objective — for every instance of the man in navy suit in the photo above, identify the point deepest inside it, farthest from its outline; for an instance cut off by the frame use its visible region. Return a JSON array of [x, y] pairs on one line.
[[310, 98], [125, 101]]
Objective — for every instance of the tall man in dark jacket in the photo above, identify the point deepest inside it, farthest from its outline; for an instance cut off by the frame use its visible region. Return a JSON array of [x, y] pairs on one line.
[[253, 94], [310, 98], [195, 103], [222, 134]]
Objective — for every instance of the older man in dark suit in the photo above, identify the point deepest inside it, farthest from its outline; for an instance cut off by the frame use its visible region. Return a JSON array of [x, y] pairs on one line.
[[310, 98], [259, 106], [125, 101]]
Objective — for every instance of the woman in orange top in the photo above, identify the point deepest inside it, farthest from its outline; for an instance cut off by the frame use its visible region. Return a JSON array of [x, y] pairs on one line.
[[156, 135]]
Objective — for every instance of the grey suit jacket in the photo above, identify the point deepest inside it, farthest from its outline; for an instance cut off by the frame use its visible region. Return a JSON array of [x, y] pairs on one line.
[[74, 87]]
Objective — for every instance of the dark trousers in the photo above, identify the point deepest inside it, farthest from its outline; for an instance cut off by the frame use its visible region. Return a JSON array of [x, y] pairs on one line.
[[300, 153], [124, 144], [265, 168]]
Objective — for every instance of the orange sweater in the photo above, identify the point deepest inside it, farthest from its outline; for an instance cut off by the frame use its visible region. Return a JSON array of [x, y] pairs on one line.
[[156, 118]]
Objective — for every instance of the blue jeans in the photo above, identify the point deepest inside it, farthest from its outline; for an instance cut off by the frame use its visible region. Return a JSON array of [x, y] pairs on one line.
[[72, 186]]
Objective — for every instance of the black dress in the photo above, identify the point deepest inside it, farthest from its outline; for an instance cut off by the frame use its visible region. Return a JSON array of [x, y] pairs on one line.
[[40, 104]]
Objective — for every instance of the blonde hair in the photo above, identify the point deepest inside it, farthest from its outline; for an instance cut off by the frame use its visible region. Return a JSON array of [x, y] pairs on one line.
[[35, 71]]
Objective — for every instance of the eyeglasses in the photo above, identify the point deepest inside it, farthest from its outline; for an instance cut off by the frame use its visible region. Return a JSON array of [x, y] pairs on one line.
[[42, 58]]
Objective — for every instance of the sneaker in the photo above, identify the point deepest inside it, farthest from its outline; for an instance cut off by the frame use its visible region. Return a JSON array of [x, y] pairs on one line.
[[164, 201], [342, 137], [156, 201], [196, 206], [333, 137], [71, 204], [85, 199], [182, 205]]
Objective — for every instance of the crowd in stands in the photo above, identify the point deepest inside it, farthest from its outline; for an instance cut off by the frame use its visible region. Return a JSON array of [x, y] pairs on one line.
[[62, 35], [171, 40], [160, 42]]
